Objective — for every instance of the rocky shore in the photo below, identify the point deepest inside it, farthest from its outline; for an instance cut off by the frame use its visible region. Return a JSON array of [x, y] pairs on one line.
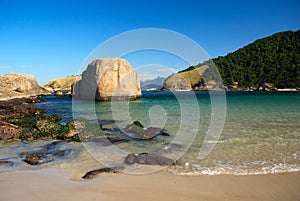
[[21, 120]]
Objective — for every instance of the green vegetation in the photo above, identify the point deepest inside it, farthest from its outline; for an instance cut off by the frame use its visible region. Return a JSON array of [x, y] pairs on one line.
[[274, 59], [139, 124], [44, 127], [62, 83]]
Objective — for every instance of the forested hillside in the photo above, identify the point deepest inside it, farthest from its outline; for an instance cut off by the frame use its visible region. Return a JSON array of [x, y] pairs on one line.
[[274, 59]]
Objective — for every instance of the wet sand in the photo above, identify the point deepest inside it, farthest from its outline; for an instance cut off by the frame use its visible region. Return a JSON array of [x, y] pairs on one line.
[[63, 184]]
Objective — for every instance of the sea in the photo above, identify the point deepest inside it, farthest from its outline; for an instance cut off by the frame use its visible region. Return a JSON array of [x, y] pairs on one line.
[[233, 132]]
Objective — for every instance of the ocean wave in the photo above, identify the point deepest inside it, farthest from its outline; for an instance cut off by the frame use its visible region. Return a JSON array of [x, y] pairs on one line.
[[194, 169]]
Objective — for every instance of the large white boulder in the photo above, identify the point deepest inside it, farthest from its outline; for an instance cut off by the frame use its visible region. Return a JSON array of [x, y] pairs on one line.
[[106, 79]]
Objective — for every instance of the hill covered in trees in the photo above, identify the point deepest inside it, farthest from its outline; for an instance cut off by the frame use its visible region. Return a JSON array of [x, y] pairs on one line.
[[274, 59]]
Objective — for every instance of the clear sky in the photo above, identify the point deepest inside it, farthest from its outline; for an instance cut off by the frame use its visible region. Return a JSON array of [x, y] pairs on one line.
[[51, 39]]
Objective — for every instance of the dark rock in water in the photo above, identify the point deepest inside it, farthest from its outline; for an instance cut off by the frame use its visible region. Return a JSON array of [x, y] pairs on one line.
[[148, 133], [153, 159], [117, 140], [38, 158], [92, 174], [136, 130], [131, 159], [109, 140], [6, 163], [55, 144], [152, 132], [171, 148], [47, 154], [63, 153], [148, 159], [24, 154]]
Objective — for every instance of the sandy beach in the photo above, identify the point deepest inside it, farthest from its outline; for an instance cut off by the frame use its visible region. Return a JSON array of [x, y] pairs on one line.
[[58, 184]]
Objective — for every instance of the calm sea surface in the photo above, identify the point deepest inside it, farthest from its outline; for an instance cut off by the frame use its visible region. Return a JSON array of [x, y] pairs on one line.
[[261, 132]]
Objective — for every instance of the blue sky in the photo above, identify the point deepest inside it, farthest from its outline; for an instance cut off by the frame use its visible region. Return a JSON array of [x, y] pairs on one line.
[[51, 39]]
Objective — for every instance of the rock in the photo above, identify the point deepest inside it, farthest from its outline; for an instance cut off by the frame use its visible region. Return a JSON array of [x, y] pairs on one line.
[[61, 84], [17, 108], [20, 119], [16, 116], [9, 131], [148, 159], [136, 130], [171, 148], [9, 163], [47, 128], [117, 140], [63, 153], [106, 141], [48, 153], [55, 144], [71, 134], [92, 174], [37, 158], [131, 159], [268, 86], [106, 79], [19, 85], [152, 132], [58, 93]]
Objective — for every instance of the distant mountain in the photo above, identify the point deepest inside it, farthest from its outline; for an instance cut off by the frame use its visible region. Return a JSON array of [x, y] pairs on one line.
[[274, 60], [156, 83]]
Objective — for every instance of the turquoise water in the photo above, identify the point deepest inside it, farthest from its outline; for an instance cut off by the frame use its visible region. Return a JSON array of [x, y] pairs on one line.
[[261, 132]]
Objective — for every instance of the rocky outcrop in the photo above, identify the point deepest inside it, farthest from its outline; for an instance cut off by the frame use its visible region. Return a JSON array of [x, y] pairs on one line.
[[106, 79], [21, 120], [12, 117], [62, 86], [19, 85], [194, 78], [9, 131], [185, 80]]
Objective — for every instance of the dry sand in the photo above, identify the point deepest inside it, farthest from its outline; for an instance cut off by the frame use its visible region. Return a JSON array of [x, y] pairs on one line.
[[57, 184]]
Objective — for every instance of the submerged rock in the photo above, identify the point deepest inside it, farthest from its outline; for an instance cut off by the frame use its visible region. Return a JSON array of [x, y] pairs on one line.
[[38, 158], [106, 79], [92, 174], [48, 153], [130, 159], [63, 153], [110, 140], [148, 159], [136, 130], [55, 144], [6, 163]]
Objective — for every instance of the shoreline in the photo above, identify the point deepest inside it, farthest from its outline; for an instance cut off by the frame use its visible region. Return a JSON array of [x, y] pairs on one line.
[[57, 184], [8, 98]]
